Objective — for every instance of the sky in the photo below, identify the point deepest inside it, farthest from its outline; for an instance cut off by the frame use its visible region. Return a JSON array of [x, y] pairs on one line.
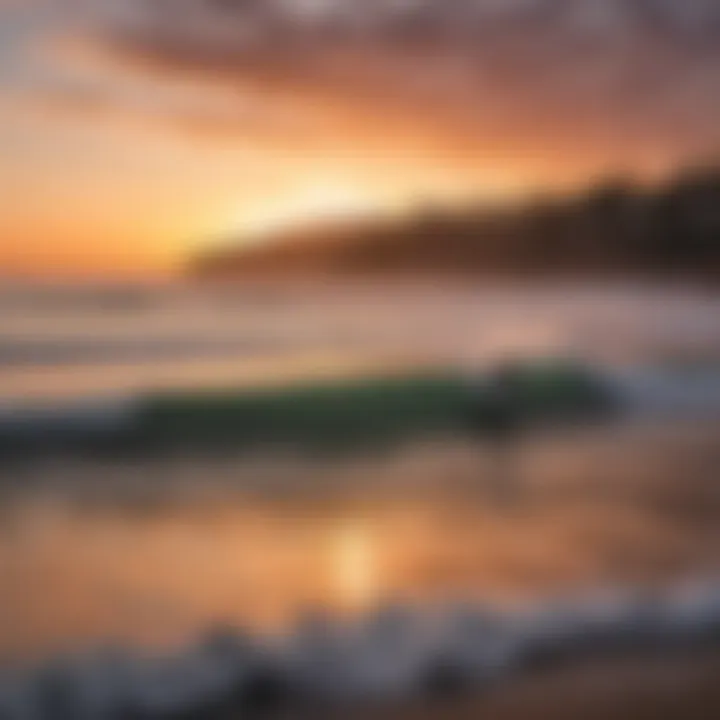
[[134, 133]]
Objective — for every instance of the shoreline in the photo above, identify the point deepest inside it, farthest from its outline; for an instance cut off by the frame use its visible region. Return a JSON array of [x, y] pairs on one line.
[[613, 654], [683, 686]]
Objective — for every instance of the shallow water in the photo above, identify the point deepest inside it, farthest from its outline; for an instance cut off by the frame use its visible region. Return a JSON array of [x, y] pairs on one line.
[[152, 554]]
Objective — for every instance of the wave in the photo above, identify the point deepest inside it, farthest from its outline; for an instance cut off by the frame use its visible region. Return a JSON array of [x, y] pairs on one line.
[[642, 393], [49, 353], [393, 653]]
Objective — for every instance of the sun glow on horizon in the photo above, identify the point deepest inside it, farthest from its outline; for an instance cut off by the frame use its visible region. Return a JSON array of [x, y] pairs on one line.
[[315, 202]]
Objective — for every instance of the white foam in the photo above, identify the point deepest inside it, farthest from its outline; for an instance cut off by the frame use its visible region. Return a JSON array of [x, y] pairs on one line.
[[394, 653]]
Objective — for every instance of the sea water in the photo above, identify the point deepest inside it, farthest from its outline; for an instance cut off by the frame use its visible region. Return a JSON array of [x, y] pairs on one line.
[[140, 559]]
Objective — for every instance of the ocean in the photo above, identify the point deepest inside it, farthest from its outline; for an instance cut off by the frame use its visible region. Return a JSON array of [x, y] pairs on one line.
[[149, 564]]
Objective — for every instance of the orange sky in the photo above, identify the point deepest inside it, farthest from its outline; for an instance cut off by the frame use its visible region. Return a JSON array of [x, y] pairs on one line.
[[126, 151]]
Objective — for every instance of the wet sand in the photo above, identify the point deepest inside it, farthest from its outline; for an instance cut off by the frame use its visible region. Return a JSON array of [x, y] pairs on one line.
[[684, 686]]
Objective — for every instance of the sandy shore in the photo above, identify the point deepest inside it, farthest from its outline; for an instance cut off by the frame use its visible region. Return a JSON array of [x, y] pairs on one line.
[[685, 686]]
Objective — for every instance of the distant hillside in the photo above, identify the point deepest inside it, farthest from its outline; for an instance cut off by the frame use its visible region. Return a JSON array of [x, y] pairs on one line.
[[673, 229]]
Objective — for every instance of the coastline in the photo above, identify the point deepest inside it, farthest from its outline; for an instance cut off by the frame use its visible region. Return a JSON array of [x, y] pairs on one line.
[[683, 686]]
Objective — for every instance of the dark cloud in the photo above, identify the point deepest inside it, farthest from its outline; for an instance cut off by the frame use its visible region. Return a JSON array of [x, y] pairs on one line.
[[612, 73]]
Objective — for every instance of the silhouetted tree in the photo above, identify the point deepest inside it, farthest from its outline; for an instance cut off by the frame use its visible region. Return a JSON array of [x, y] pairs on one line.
[[614, 225]]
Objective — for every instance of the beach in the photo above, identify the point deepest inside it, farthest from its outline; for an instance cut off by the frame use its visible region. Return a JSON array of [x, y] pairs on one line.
[[683, 686]]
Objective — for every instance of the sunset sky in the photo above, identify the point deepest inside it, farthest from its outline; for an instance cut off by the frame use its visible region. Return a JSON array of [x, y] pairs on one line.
[[133, 132]]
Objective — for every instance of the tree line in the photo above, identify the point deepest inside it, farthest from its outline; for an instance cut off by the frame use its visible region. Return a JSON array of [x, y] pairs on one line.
[[615, 226]]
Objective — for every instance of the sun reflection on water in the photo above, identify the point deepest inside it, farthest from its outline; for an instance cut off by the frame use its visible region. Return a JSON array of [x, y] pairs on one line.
[[354, 568]]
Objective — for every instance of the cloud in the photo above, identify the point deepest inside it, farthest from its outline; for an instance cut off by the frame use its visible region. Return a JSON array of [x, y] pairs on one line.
[[614, 79]]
